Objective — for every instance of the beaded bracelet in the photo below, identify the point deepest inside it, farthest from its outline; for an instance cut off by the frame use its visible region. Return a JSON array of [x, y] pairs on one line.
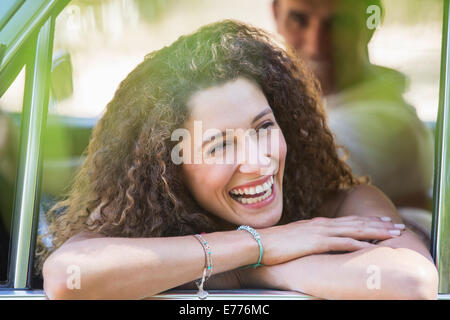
[[202, 294], [257, 237]]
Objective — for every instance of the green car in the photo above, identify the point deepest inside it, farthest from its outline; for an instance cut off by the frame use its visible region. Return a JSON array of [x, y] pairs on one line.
[[26, 42]]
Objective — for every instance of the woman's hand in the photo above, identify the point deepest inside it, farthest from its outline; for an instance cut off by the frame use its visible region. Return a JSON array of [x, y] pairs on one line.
[[321, 235]]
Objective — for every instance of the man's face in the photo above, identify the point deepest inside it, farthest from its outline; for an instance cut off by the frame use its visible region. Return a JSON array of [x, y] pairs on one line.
[[329, 34]]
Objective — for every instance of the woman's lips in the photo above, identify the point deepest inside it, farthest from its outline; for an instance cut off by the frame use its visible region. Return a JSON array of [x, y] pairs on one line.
[[254, 188], [251, 199]]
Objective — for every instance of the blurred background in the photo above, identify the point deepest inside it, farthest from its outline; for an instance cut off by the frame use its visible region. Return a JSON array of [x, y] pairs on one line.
[[98, 42], [106, 39]]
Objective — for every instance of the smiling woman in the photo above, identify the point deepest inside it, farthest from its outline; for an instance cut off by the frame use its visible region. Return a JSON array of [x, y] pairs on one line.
[[236, 188], [267, 162]]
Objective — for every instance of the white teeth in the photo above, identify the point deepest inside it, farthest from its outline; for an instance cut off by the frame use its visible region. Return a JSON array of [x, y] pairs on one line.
[[265, 187], [257, 199]]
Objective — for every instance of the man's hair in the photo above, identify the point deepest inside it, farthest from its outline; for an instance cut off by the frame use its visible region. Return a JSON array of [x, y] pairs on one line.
[[368, 3], [373, 2]]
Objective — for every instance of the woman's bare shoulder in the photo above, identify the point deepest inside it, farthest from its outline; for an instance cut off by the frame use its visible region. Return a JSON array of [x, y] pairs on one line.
[[332, 202], [367, 200]]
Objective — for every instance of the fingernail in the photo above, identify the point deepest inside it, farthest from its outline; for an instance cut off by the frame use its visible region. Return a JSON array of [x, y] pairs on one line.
[[399, 226], [394, 232], [386, 219]]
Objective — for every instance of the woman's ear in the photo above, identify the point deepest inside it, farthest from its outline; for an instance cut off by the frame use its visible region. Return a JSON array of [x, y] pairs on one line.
[[183, 174]]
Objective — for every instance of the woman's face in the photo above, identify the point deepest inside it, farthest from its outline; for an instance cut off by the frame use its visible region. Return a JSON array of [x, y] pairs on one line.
[[238, 154]]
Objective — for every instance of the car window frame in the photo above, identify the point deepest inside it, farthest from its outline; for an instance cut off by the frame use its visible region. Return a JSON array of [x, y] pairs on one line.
[[27, 40], [31, 44], [440, 232]]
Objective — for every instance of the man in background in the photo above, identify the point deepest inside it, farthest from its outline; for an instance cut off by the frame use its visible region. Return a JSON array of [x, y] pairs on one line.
[[366, 110]]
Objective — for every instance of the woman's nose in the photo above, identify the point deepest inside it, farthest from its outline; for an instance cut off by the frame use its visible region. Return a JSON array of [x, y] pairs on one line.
[[256, 158], [262, 163]]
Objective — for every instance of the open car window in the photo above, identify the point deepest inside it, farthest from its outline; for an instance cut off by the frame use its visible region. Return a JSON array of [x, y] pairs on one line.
[[26, 41], [10, 116], [71, 48]]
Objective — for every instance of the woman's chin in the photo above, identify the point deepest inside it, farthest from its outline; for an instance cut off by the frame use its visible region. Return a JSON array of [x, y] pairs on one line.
[[262, 218], [270, 221], [263, 214]]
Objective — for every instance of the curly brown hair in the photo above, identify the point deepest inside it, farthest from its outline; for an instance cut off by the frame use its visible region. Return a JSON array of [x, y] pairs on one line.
[[128, 172]]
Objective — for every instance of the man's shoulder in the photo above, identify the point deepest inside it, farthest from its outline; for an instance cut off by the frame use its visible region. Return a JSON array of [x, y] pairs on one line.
[[380, 85], [376, 72]]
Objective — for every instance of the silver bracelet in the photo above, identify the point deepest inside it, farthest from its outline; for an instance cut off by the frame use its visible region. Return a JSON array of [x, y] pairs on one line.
[[207, 271], [257, 238]]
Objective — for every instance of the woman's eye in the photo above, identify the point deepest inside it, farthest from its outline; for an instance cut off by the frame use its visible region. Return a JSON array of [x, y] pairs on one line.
[[217, 147], [266, 125]]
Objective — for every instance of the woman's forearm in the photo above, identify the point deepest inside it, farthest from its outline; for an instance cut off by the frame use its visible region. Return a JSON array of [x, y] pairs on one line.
[[136, 268], [376, 273]]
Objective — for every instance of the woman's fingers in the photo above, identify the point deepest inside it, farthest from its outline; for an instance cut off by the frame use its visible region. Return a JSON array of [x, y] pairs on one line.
[[364, 232], [363, 218], [346, 244], [371, 224], [350, 233], [362, 222]]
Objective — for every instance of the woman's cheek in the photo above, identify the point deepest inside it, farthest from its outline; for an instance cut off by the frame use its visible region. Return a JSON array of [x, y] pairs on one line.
[[206, 181], [282, 150], [217, 177]]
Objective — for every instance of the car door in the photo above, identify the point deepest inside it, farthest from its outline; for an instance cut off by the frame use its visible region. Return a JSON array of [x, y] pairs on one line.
[[26, 49]]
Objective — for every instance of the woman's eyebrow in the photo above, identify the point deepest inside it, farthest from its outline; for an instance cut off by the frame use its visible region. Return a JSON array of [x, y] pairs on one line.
[[212, 138], [223, 133], [262, 114]]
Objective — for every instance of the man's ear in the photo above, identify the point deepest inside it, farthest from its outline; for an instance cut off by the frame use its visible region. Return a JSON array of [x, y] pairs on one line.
[[275, 9], [275, 13]]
